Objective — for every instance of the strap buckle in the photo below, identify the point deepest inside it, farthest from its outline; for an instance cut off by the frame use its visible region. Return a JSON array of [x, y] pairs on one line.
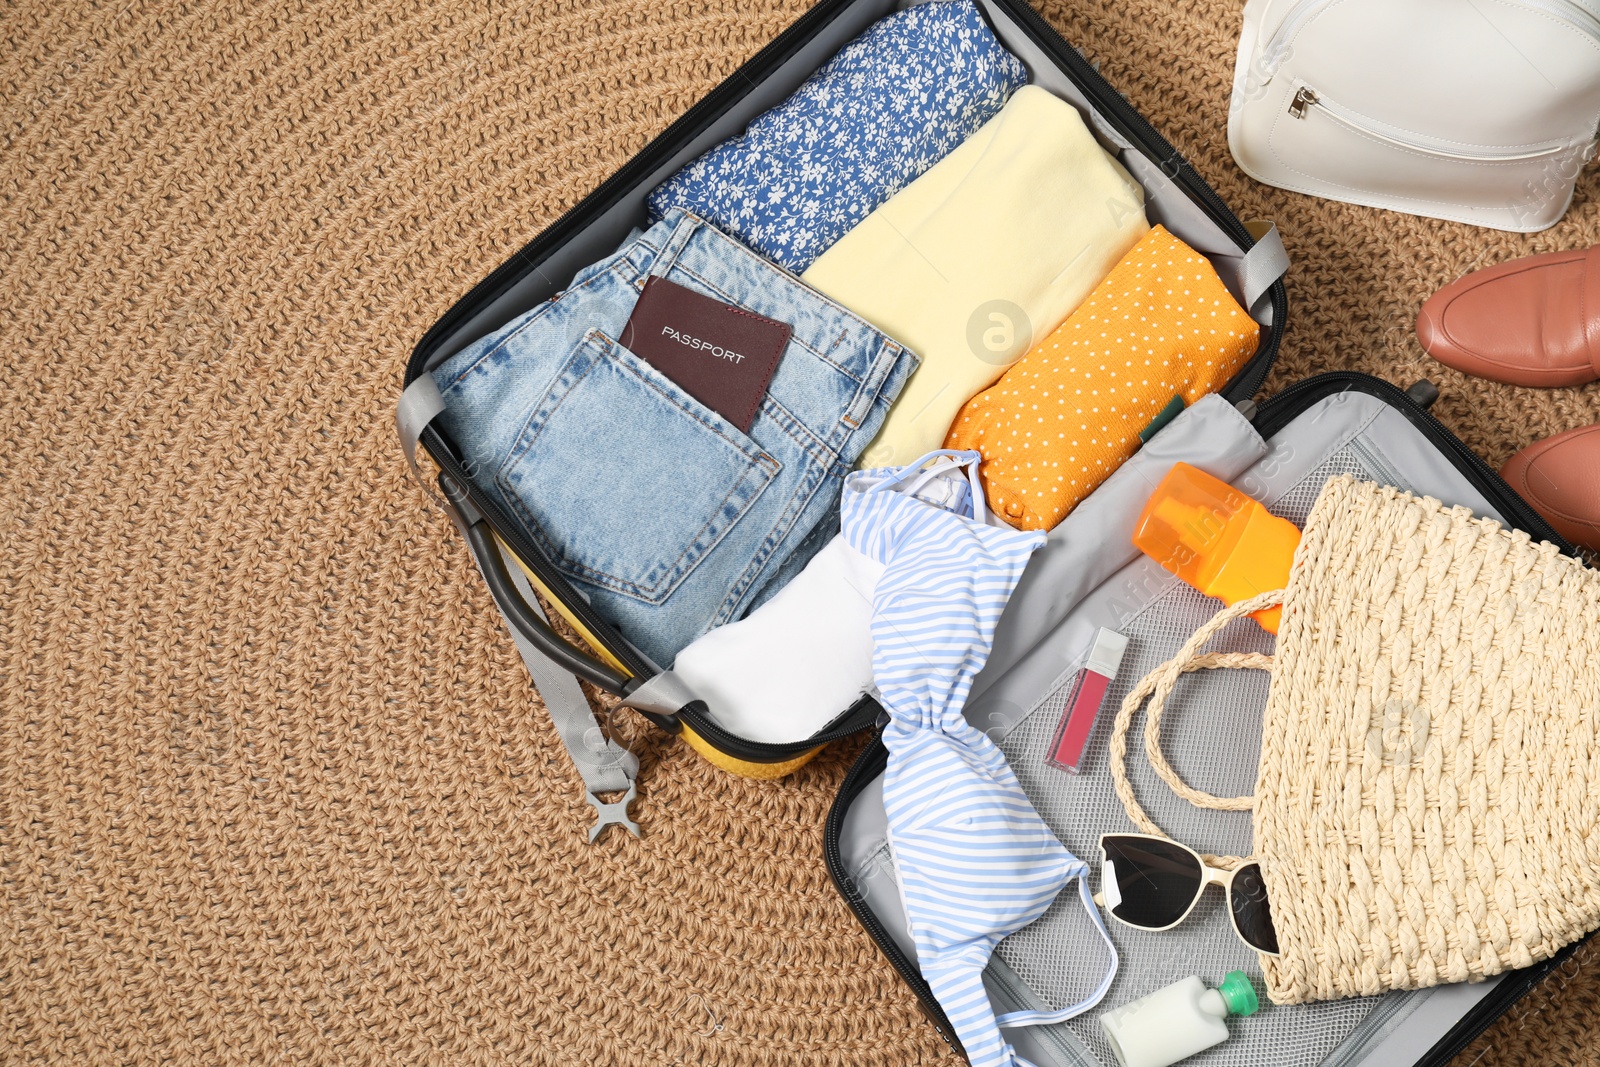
[[614, 813]]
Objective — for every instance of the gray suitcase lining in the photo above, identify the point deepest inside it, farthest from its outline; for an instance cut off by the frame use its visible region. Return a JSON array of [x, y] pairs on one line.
[[1211, 735]]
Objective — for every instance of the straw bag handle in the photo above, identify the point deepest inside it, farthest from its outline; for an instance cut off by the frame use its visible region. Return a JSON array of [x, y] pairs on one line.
[[1158, 686]]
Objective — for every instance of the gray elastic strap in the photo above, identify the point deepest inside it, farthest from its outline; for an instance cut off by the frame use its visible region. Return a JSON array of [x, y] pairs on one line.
[[604, 765], [664, 693], [1263, 265], [419, 405]]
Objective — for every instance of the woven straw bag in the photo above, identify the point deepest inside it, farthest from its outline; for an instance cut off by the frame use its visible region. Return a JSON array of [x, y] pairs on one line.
[[1427, 807]]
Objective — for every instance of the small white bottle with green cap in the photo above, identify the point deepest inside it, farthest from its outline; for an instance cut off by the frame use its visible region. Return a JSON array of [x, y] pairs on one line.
[[1176, 1022]]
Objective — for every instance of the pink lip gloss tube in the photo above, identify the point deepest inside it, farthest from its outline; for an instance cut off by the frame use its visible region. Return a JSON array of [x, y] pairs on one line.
[[1083, 702]]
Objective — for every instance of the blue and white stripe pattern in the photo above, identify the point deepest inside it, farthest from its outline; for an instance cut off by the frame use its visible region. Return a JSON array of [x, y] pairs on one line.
[[975, 861]]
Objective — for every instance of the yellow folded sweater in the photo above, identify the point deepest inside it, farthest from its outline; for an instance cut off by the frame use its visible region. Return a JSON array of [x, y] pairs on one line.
[[981, 256], [1161, 326]]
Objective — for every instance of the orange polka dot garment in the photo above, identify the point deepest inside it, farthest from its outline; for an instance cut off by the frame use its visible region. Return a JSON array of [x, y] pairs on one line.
[[1067, 414]]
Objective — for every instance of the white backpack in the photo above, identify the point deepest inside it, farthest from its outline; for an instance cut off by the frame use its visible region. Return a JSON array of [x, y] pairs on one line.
[[1480, 111]]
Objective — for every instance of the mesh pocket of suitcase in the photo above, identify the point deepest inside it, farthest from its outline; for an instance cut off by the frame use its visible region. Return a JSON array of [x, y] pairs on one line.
[[1324, 427], [1175, 197]]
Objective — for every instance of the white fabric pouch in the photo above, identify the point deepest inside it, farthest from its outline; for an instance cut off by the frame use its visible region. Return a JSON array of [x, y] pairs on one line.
[[803, 658], [1480, 112], [798, 661]]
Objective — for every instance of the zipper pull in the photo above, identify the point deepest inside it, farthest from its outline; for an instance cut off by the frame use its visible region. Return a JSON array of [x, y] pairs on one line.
[[1302, 100]]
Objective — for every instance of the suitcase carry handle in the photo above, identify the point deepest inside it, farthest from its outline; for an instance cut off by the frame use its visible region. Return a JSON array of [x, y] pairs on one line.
[[481, 539]]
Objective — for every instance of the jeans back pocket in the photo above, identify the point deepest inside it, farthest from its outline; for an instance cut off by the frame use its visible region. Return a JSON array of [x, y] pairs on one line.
[[626, 480]]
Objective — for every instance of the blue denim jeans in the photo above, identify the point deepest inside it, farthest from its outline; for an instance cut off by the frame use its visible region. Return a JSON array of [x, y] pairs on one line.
[[664, 514]]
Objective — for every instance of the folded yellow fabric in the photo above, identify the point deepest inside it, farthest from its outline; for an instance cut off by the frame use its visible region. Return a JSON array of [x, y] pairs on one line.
[[1162, 325], [982, 255]]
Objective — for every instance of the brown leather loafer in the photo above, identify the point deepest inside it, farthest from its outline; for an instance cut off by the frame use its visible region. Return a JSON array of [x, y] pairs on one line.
[[1560, 477], [1532, 321]]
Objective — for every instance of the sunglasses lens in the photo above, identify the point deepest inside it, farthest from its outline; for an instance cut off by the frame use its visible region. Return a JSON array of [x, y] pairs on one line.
[[1252, 916], [1148, 882]]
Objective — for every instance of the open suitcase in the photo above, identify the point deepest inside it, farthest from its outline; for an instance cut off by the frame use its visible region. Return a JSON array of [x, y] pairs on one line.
[[1327, 425], [1090, 576], [1176, 196]]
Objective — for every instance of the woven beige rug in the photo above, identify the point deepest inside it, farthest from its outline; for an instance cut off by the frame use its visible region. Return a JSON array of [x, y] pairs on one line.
[[272, 784]]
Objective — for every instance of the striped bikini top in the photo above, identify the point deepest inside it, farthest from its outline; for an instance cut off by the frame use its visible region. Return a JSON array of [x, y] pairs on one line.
[[974, 860]]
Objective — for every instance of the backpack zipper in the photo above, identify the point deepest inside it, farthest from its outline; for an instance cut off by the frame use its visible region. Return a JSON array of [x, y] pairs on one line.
[[1307, 99], [1276, 49], [1575, 14]]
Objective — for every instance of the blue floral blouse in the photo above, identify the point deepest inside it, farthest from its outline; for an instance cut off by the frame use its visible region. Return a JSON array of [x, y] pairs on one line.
[[891, 104]]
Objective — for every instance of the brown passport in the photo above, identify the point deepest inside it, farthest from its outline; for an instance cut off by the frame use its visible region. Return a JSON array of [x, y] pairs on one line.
[[720, 354]]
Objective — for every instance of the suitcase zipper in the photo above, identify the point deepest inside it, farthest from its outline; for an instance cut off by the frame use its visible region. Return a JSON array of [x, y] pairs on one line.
[[858, 717], [1105, 97], [1514, 985], [867, 766], [1110, 103], [1306, 99], [1275, 413], [1137, 129], [692, 121], [1272, 415], [1023, 999]]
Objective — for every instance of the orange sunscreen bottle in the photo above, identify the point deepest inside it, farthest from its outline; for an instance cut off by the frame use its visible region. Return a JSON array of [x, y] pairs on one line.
[[1217, 539]]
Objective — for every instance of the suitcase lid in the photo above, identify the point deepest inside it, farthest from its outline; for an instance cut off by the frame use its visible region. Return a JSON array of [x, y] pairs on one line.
[[1175, 196]]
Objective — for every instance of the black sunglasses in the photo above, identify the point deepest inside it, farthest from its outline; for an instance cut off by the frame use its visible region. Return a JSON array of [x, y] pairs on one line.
[[1153, 883]]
